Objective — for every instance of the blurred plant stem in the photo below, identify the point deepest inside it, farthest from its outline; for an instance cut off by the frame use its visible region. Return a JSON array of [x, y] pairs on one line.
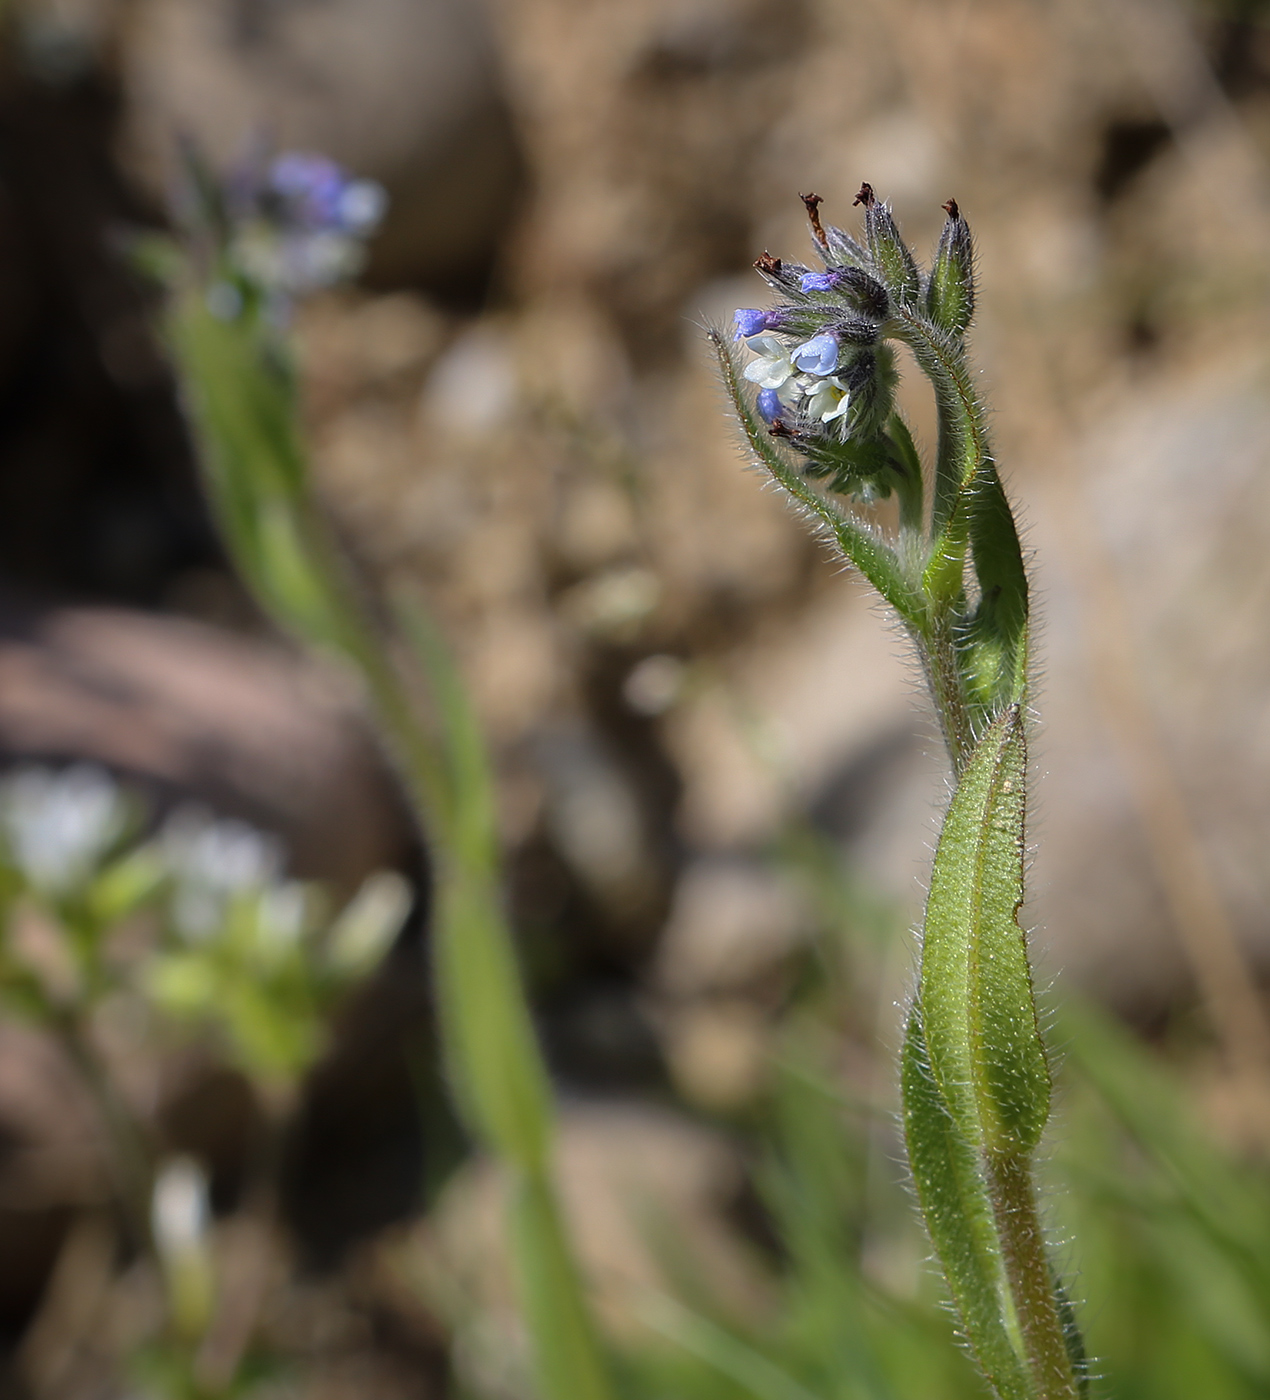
[[243, 401], [129, 1156]]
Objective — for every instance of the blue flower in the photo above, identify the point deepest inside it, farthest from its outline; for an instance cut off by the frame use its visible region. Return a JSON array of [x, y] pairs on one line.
[[818, 281], [769, 405], [819, 355]]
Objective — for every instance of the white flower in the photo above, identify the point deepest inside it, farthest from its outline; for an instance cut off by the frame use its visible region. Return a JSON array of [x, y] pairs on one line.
[[828, 399], [773, 366]]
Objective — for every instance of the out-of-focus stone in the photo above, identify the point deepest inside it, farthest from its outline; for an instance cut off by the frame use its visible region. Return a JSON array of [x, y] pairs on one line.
[[640, 1187], [1173, 490], [402, 91], [189, 712], [716, 1050], [730, 923]]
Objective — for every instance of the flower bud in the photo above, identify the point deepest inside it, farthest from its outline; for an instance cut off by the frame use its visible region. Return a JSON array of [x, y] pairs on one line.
[[950, 293], [752, 321], [784, 276], [868, 294], [770, 407], [844, 249], [888, 249]]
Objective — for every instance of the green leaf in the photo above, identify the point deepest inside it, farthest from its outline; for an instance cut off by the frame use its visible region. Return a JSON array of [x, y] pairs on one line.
[[567, 1358], [996, 637], [125, 885], [958, 1211], [971, 512], [975, 994]]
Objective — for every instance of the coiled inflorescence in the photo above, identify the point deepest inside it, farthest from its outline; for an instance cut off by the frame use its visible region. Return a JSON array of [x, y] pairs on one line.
[[826, 376]]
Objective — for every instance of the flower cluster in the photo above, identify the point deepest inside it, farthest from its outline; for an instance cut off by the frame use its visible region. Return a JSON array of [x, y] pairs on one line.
[[274, 229], [302, 222], [825, 376]]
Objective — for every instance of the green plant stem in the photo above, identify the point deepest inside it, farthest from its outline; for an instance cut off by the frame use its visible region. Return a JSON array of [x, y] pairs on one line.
[[937, 647], [1013, 1194], [962, 435]]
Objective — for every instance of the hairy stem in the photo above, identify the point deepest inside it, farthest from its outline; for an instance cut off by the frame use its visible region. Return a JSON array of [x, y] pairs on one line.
[[963, 437], [1031, 1282], [942, 665]]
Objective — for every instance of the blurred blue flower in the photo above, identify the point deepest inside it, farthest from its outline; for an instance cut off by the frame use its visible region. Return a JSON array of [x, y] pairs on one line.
[[770, 406], [318, 195], [286, 225]]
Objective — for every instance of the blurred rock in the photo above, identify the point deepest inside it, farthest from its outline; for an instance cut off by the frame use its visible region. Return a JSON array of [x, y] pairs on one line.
[[50, 1165], [730, 924], [717, 1051], [403, 91], [188, 712], [642, 1188], [1172, 486], [595, 818]]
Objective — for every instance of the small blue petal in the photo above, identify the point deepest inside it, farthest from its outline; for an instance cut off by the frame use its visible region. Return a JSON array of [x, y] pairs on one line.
[[818, 281], [769, 405], [362, 204], [819, 355]]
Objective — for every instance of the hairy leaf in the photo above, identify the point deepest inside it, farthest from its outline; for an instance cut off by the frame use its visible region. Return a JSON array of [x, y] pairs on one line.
[[975, 993]]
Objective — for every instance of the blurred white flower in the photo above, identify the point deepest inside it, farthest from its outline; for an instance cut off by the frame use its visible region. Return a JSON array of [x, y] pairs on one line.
[[211, 862], [369, 922], [58, 825], [179, 1210], [280, 916]]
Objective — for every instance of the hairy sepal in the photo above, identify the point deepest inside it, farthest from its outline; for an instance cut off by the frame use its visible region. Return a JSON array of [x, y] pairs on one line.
[[950, 292]]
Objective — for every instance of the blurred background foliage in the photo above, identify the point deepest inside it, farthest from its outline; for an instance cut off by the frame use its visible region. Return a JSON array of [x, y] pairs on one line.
[[715, 817]]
